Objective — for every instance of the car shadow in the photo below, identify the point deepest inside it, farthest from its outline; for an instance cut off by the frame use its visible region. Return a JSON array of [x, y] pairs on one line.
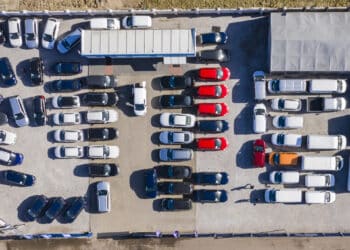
[[137, 183], [244, 155], [155, 155], [156, 83], [51, 153], [264, 178], [81, 170], [23, 207], [155, 103], [243, 122], [156, 205], [23, 72], [91, 199], [50, 136], [155, 121], [257, 196], [125, 100], [155, 138]]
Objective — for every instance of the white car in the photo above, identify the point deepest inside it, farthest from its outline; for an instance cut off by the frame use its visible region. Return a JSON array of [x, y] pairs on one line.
[[103, 197], [177, 120], [63, 102], [7, 137], [259, 118], [69, 152], [288, 122], [15, 32], [61, 135], [287, 140], [103, 152], [101, 116], [319, 180], [140, 99], [319, 197], [284, 177], [67, 118], [174, 137], [50, 33], [282, 104], [137, 22], [31, 35]]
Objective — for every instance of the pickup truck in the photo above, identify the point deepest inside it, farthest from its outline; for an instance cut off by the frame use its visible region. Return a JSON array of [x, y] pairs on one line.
[[325, 104]]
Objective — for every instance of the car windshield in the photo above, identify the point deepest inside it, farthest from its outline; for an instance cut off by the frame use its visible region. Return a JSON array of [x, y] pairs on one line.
[[327, 180], [218, 91], [282, 121], [30, 36], [19, 116], [110, 23], [61, 118], [260, 112], [102, 192], [218, 109], [327, 197], [272, 195], [281, 104], [170, 136], [105, 116], [129, 21], [14, 35], [106, 150], [276, 159], [66, 44], [63, 152], [217, 143], [47, 37], [280, 139], [139, 107], [171, 119], [171, 100], [172, 81], [217, 37], [259, 149], [170, 204], [170, 154], [219, 73], [66, 101], [278, 177], [275, 85]]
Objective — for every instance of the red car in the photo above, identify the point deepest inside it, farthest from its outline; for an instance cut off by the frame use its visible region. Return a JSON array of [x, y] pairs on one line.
[[214, 74], [212, 109], [259, 147], [206, 144], [212, 91]]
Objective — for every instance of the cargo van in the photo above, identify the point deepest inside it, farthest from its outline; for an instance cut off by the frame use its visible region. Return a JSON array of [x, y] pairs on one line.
[[137, 22], [324, 86], [326, 142], [322, 163], [259, 85], [283, 196], [319, 180], [292, 86], [283, 159], [19, 113], [319, 197], [105, 23]]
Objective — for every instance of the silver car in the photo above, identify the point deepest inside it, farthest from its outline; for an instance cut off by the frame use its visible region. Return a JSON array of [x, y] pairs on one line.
[[173, 137], [175, 154], [103, 197], [31, 35]]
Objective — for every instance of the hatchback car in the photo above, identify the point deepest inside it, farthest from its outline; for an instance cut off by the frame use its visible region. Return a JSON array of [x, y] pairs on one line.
[[102, 116], [212, 126], [175, 101], [175, 154], [15, 32], [212, 109], [67, 68], [176, 82], [102, 152], [103, 197], [100, 134], [50, 33], [209, 196], [212, 38], [74, 208], [7, 137], [18, 179], [37, 208], [100, 81], [31, 34], [10, 158], [99, 99], [212, 91], [211, 144], [288, 122], [103, 170], [61, 135], [173, 172], [36, 69], [213, 55], [210, 178], [39, 110], [54, 208], [69, 152], [69, 41], [64, 102], [66, 85], [173, 137], [259, 148], [177, 120], [174, 188], [287, 140], [214, 74], [7, 74], [259, 118], [170, 204], [66, 118], [282, 104]]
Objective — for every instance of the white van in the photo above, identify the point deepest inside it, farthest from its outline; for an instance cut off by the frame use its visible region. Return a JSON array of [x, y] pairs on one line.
[[259, 85], [319, 180], [319, 197], [326, 142], [283, 196], [322, 163], [137, 22], [105, 23], [324, 86]]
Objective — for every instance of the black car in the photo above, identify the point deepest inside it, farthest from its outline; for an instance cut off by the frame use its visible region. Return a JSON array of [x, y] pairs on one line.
[[214, 55], [169, 204], [173, 172], [37, 207], [36, 69], [103, 170], [212, 38], [3, 118], [100, 82], [39, 110], [66, 85], [67, 68], [7, 75], [210, 178], [175, 101], [212, 126], [18, 178], [151, 183], [100, 134], [55, 207], [74, 208], [209, 196], [99, 99], [168, 187], [176, 82]]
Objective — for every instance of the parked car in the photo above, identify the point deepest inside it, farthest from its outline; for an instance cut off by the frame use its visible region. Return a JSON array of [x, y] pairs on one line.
[[54, 208], [37, 208], [150, 183], [212, 109], [173, 137], [99, 99], [15, 32], [319, 197], [287, 140], [64, 102], [210, 178], [212, 38], [283, 159], [259, 148], [36, 69], [213, 55], [212, 126], [18, 179], [102, 152], [283, 196], [39, 110], [175, 101], [61, 135], [212, 91], [74, 208], [10, 158], [259, 118], [100, 81], [66, 118], [170, 204], [7, 74], [66, 85], [139, 93], [209, 196], [175, 154], [102, 116], [31, 35], [173, 188], [104, 23], [69, 152], [137, 22], [103, 197], [103, 169], [100, 134], [214, 74], [282, 104], [288, 122], [319, 180], [67, 68], [69, 41], [176, 82], [177, 120], [284, 177], [18, 111], [173, 172], [211, 144], [7, 137], [50, 33]]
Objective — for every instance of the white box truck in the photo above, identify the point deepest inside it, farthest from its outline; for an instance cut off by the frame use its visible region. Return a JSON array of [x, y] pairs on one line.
[[326, 142], [322, 163]]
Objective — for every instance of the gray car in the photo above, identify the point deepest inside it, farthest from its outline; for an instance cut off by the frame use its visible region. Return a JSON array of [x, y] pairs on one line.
[[213, 55], [178, 154]]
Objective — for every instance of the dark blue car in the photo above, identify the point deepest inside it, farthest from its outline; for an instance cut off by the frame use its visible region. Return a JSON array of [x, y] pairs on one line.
[[212, 126], [169, 204], [210, 178], [67, 68], [66, 85], [55, 207], [209, 196], [213, 38], [74, 208], [37, 207], [18, 178], [151, 183], [7, 75]]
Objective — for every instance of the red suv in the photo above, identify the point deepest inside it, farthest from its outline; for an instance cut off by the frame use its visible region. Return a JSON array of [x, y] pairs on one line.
[[259, 147]]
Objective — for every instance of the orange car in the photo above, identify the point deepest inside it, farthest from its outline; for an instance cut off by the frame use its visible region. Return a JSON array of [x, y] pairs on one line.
[[283, 159]]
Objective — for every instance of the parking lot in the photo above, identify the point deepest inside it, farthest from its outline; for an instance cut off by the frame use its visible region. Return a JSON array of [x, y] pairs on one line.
[[131, 211]]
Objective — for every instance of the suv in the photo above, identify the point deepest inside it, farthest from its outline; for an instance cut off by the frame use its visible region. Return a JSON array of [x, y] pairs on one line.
[[50, 33], [100, 82], [102, 152], [66, 118], [69, 152], [69, 41], [18, 111], [101, 116], [39, 110], [31, 35], [103, 170], [7, 74], [175, 154], [36, 67], [100, 134], [103, 197], [100, 99], [15, 32]]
